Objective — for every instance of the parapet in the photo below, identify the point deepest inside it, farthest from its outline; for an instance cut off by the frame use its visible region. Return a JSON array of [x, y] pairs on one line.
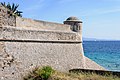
[[41, 25], [71, 24]]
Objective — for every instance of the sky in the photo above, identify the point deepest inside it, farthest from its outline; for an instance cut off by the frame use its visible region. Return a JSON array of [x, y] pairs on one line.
[[101, 18]]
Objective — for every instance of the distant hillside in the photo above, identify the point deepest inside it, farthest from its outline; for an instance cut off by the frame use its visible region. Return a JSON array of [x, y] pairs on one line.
[[94, 39], [89, 39]]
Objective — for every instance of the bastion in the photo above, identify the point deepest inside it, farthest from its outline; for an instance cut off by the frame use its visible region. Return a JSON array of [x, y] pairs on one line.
[[27, 43]]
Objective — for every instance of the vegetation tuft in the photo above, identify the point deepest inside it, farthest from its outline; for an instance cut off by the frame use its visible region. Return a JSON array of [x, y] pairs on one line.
[[40, 73], [12, 9], [47, 73]]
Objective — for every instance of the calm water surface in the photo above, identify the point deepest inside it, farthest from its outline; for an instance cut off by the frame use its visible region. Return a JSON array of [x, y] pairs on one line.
[[105, 53]]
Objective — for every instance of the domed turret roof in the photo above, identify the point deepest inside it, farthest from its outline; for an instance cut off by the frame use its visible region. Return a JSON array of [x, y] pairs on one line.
[[73, 19]]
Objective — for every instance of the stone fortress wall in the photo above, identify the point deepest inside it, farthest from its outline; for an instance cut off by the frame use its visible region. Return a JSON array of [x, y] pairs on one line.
[[27, 43]]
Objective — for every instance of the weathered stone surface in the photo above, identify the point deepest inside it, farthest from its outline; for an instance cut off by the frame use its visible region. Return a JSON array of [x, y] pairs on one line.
[[27, 56], [89, 64]]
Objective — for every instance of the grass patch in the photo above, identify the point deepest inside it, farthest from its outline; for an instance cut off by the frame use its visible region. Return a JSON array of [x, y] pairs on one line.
[[47, 73]]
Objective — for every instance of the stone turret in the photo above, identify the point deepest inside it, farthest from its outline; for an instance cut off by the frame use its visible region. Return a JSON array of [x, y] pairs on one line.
[[76, 24]]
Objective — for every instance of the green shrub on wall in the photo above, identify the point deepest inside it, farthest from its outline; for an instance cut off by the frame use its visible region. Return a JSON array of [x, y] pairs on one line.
[[12, 9], [40, 73]]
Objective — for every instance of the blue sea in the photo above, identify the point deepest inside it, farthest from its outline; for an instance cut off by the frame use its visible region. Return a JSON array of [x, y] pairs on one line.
[[105, 53]]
